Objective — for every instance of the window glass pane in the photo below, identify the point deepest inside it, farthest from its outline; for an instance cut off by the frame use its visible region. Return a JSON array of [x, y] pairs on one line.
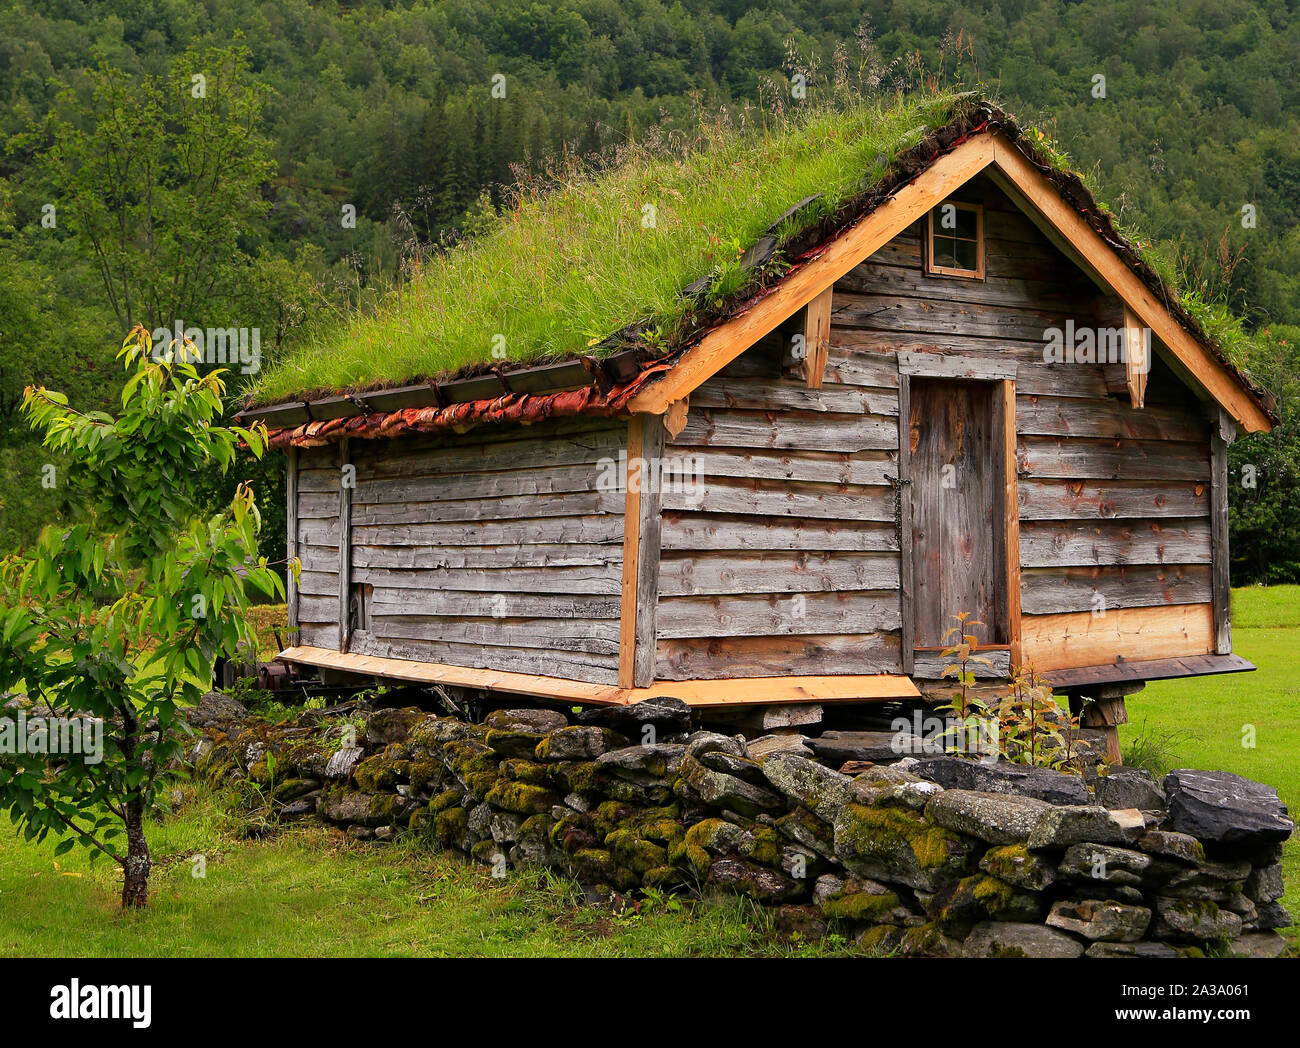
[[967, 252], [967, 224], [945, 252]]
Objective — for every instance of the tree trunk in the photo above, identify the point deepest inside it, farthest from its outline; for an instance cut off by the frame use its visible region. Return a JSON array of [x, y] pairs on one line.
[[135, 884]]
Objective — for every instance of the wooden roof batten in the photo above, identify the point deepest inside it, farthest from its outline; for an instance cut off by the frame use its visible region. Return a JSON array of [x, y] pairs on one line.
[[1039, 198]]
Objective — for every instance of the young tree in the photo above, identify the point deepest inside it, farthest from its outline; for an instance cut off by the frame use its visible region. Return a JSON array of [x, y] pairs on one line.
[[119, 613]]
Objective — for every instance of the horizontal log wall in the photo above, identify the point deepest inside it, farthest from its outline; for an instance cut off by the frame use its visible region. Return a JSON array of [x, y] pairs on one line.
[[783, 560], [316, 524], [498, 549], [1114, 502]]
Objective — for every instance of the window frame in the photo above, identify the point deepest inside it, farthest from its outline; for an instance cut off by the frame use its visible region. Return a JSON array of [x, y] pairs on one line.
[[934, 270]]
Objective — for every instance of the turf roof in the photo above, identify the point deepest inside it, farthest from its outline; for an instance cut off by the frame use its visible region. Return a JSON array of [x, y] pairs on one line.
[[566, 268], [651, 251]]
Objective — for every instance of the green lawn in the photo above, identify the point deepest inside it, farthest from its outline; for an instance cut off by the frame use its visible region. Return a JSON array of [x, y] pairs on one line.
[[310, 893], [1207, 722]]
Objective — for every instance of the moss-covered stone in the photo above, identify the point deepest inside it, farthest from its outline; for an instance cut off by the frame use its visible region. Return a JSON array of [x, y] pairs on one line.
[[661, 876], [450, 826], [386, 806], [714, 836], [609, 816], [927, 940], [635, 853], [488, 851], [291, 789], [765, 847], [882, 940], [518, 770], [446, 799], [579, 743], [894, 844], [388, 726], [481, 783], [353, 807], [306, 757], [758, 882], [532, 842], [663, 829], [868, 902], [958, 907], [375, 774], [573, 776], [574, 832], [433, 733], [512, 743], [425, 774], [803, 827], [521, 797], [467, 756], [1017, 865], [634, 793], [594, 866]]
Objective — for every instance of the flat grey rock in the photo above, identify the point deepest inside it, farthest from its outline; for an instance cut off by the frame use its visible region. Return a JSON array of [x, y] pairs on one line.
[[963, 773], [1225, 810], [992, 817]]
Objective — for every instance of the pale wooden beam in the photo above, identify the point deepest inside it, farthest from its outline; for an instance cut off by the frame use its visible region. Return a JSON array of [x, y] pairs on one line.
[[1137, 358], [755, 691], [631, 551], [719, 347], [1011, 516], [1070, 231], [817, 338]]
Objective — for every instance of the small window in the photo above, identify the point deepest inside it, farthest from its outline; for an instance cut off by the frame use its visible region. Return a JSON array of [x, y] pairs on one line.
[[955, 241]]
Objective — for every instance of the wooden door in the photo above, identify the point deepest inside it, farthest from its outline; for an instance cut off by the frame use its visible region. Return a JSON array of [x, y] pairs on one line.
[[957, 519]]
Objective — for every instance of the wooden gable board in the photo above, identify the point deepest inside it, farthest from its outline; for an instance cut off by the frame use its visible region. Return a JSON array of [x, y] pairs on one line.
[[1042, 203]]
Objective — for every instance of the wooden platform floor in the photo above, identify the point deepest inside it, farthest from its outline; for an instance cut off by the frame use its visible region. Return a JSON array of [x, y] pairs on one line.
[[750, 691]]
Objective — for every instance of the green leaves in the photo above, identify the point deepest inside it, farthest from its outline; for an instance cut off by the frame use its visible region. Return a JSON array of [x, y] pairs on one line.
[[121, 615]]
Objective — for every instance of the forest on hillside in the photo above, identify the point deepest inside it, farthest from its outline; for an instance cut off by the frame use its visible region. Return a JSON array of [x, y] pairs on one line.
[[353, 140]]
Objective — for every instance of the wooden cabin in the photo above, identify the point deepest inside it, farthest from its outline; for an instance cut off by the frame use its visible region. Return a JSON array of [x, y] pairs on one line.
[[907, 423]]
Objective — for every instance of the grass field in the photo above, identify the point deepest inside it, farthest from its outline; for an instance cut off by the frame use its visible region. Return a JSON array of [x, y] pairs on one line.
[[1248, 723], [307, 892], [310, 893]]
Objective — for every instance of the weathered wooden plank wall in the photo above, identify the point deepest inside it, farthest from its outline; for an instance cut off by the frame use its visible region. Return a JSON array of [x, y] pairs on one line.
[[787, 558], [495, 549], [1114, 501], [784, 560]]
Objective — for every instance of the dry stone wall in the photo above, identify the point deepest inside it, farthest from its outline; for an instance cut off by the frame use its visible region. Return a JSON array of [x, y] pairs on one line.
[[920, 856]]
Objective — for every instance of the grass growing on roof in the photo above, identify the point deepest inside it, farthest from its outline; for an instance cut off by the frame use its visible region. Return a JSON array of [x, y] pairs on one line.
[[572, 263]]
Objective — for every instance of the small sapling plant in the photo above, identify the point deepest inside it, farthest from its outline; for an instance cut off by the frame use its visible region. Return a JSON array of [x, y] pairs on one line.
[[118, 614]]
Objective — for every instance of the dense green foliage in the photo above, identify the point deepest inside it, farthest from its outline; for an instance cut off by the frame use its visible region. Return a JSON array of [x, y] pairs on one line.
[[117, 617], [387, 107]]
